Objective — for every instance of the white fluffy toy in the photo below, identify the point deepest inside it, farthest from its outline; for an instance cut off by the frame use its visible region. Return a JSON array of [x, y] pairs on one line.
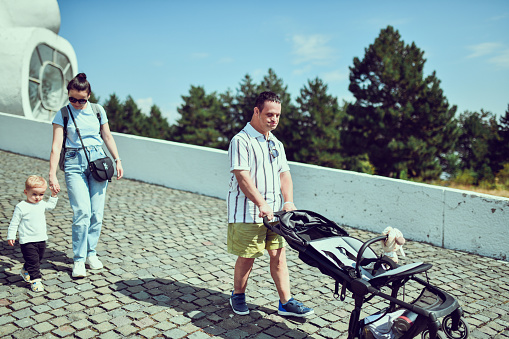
[[393, 243]]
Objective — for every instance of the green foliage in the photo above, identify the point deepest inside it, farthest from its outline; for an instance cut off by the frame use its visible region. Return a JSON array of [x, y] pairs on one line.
[[134, 120], [316, 131], [127, 118], [115, 111], [243, 103], [157, 125], [400, 119], [503, 176], [93, 98], [477, 141], [465, 177], [499, 145], [202, 117]]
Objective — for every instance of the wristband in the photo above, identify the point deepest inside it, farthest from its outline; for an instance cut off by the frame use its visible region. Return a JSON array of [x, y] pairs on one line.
[[288, 202], [117, 159]]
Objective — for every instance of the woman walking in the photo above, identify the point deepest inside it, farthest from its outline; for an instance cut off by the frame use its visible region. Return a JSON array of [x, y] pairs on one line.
[[86, 194]]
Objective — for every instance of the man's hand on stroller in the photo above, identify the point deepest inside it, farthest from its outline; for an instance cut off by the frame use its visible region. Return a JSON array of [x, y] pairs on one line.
[[266, 211], [289, 206]]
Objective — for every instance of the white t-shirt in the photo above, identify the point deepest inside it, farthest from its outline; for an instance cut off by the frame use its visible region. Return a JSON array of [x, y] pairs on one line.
[[249, 150], [30, 220], [88, 124]]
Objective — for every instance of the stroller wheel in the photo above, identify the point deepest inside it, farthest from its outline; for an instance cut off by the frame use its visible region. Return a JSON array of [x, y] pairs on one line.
[[461, 333], [425, 335]]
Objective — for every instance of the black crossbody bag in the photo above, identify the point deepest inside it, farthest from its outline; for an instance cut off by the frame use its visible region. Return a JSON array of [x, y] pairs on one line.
[[102, 169]]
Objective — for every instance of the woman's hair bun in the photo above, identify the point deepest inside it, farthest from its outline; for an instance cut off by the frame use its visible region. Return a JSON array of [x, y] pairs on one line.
[[82, 76]]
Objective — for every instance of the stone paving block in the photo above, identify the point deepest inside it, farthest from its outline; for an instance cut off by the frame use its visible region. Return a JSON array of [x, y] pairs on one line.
[[6, 319], [7, 329], [86, 334], [60, 321], [42, 317], [121, 321], [43, 327], [81, 324], [198, 335], [164, 325], [110, 305], [24, 334], [149, 332], [20, 305], [41, 308], [237, 334], [56, 303], [23, 313], [63, 331], [25, 322], [175, 334], [126, 330], [104, 327], [145, 322]]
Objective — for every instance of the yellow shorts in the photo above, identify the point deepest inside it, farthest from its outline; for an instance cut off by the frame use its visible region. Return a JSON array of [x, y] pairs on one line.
[[250, 240]]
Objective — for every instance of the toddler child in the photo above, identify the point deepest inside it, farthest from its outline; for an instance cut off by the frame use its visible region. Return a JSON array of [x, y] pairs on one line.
[[30, 220]]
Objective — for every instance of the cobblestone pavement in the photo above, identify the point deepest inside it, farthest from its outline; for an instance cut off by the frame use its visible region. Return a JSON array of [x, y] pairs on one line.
[[167, 274]]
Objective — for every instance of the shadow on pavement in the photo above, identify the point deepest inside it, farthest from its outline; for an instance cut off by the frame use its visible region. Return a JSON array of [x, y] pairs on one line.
[[208, 309], [48, 264]]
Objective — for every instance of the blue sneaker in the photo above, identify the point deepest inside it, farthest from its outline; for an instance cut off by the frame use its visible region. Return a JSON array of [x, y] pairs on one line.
[[238, 303], [294, 308]]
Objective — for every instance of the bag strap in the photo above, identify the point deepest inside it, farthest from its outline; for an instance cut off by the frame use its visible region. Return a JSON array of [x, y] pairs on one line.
[[97, 111], [79, 134], [65, 116]]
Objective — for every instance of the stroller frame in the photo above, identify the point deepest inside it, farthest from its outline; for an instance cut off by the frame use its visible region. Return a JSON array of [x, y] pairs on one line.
[[322, 243]]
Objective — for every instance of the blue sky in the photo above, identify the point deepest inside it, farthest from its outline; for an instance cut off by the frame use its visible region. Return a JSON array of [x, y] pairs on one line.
[[155, 50]]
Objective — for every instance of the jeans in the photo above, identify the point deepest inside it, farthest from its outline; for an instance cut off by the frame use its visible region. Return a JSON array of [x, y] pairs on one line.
[[87, 198], [33, 253]]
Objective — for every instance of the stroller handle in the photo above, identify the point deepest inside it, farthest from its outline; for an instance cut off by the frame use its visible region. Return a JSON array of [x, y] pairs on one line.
[[266, 221], [361, 252]]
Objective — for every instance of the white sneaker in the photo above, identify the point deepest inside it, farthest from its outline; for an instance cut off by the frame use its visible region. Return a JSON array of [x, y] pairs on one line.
[[78, 270], [94, 262]]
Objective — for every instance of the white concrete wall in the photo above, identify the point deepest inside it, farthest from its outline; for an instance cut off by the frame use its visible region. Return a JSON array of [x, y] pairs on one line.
[[450, 218]]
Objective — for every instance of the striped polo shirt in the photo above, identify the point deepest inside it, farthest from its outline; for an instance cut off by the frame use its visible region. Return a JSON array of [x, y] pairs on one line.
[[249, 150]]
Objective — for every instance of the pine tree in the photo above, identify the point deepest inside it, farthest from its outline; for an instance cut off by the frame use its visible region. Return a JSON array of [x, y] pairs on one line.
[[115, 112], [136, 121], [93, 98], [201, 117], [503, 146], [232, 123], [157, 125], [316, 137], [479, 133], [401, 120], [244, 103]]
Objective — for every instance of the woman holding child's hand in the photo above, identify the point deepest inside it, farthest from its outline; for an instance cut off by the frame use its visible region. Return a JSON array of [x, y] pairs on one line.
[[86, 195]]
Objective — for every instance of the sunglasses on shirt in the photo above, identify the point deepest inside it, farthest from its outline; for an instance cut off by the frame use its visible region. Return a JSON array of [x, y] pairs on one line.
[[80, 101], [272, 149]]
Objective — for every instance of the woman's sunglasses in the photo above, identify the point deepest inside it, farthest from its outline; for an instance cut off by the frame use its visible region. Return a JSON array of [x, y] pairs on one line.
[[80, 101]]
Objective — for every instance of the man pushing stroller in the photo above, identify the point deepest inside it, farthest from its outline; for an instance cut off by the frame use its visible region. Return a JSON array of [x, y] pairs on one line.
[[260, 175]]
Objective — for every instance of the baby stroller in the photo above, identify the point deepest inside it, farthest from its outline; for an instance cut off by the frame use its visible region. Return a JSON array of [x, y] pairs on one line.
[[358, 269]]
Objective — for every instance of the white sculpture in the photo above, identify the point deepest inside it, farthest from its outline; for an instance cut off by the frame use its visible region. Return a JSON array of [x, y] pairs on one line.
[[35, 63]]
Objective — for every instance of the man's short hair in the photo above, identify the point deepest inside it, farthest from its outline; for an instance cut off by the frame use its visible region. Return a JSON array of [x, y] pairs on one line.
[[266, 96], [34, 181]]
